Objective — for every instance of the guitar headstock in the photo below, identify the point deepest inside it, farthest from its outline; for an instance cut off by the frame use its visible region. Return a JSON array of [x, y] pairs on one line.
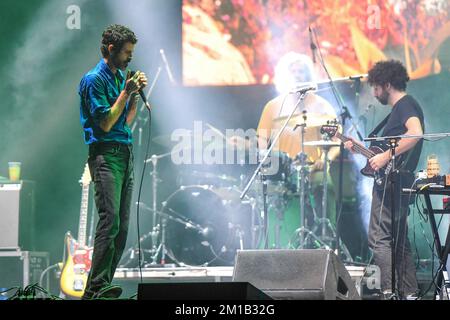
[[329, 129], [86, 176]]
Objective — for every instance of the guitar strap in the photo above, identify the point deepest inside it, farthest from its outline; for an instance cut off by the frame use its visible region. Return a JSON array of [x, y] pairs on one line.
[[379, 126]]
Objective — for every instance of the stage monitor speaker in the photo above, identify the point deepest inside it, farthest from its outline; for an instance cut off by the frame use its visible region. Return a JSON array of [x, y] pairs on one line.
[[17, 215], [305, 274], [200, 291]]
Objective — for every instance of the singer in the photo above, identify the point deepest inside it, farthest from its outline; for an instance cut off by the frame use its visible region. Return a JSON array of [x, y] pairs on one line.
[[107, 108]]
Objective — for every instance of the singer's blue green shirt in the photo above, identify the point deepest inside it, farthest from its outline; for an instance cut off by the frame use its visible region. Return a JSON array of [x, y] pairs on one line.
[[99, 90]]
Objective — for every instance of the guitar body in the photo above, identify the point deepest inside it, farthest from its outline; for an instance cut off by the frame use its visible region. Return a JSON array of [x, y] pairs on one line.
[[380, 175], [79, 256], [76, 268], [368, 170]]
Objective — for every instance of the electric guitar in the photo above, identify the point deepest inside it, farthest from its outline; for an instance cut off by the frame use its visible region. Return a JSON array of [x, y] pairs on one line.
[[79, 256], [368, 171]]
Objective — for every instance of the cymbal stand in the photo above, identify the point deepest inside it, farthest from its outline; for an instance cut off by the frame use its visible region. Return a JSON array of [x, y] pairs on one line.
[[325, 195], [323, 222], [301, 177], [156, 228]]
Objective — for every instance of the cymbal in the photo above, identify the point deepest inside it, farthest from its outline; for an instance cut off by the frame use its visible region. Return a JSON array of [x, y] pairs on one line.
[[312, 119], [322, 143]]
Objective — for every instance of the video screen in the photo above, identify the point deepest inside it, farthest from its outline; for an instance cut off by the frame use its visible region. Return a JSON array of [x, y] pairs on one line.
[[240, 42]]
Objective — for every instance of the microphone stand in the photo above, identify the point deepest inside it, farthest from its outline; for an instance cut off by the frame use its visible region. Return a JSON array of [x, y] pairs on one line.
[[262, 162], [345, 114]]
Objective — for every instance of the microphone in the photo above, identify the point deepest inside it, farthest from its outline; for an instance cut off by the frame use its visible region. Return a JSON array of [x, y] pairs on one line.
[[304, 88], [141, 93], [166, 64], [312, 45]]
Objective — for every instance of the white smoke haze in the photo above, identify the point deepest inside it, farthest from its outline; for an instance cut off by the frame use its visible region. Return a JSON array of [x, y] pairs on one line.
[[30, 75]]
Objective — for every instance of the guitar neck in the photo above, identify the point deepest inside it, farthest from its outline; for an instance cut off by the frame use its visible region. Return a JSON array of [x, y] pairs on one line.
[[357, 147], [83, 216]]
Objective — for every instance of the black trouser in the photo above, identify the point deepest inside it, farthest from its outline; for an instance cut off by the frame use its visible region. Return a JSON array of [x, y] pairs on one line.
[[380, 235], [111, 167]]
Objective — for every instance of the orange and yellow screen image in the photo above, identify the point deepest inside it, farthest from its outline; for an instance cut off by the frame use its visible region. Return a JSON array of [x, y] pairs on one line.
[[239, 42]]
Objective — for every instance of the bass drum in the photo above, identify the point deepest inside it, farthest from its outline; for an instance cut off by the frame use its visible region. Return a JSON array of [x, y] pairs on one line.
[[206, 225]]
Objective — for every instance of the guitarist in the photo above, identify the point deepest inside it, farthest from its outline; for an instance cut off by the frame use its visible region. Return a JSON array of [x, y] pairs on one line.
[[388, 80], [108, 107]]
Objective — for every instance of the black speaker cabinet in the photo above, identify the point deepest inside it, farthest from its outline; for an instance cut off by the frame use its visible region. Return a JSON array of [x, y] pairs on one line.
[[305, 274], [200, 291], [17, 215]]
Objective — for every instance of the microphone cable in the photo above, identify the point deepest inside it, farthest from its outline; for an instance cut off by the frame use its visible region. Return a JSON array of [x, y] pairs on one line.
[[147, 150]]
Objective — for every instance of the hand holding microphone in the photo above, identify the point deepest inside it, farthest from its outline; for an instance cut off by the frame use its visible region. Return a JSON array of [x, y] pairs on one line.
[[136, 81]]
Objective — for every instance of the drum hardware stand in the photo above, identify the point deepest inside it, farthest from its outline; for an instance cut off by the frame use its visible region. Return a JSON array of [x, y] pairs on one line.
[[257, 171], [157, 228], [239, 233], [255, 228], [162, 248], [265, 210], [324, 221], [301, 176]]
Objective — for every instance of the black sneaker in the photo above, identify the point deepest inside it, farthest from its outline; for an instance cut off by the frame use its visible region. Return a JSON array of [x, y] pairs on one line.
[[413, 296], [109, 292]]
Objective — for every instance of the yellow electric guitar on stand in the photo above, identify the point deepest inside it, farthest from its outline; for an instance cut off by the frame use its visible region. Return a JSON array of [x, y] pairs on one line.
[[78, 255]]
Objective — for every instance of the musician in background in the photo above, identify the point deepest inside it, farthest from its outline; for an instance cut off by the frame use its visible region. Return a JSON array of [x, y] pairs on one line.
[[107, 109], [295, 70], [388, 80]]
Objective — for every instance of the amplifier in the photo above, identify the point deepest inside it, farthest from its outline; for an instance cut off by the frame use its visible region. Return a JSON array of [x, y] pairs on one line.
[[22, 268], [17, 215]]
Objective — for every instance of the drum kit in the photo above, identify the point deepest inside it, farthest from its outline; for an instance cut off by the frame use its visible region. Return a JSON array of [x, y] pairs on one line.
[[206, 219]]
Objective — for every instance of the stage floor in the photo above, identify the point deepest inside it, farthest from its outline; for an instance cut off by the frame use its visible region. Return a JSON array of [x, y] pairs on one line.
[[128, 278]]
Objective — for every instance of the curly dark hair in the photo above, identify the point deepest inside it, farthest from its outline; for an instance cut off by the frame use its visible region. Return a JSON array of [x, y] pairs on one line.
[[392, 72], [117, 35]]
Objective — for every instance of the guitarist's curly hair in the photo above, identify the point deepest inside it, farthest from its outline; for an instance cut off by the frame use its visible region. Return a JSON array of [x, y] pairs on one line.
[[117, 35], [392, 72]]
